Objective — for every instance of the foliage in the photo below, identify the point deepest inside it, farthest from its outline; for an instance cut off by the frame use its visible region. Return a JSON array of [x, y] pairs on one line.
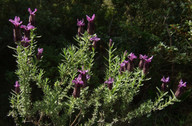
[[54, 104], [146, 27]]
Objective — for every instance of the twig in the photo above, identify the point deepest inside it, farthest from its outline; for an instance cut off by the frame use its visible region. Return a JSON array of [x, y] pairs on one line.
[[76, 118]]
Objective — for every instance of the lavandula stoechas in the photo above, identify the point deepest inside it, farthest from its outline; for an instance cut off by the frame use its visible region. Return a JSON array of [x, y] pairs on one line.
[[110, 83], [16, 29], [32, 16], [91, 25], [180, 88], [164, 85], [80, 24]]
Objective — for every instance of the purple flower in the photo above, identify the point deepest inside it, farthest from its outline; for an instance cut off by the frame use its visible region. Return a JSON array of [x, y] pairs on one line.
[[25, 41], [130, 65], [78, 84], [16, 30], [180, 88], [32, 12], [84, 76], [80, 24], [32, 16], [16, 21], [78, 81], [91, 25], [39, 53], [143, 56], [122, 67], [165, 80], [149, 59], [164, 85], [110, 83], [94, 39], [17, 87], [132, 56], [90, 19], [181, 84], [142, 60], [27, 29], [147, 65]]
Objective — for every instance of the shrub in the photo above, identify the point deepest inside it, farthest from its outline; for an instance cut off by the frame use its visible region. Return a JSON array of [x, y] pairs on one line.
[[75, 98]]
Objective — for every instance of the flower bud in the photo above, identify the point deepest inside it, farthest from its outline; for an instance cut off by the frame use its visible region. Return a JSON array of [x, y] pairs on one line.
[[110, 42], [17, 87], [91, 25], [32, 16], [110, 83], [80, 24], [180, 88]]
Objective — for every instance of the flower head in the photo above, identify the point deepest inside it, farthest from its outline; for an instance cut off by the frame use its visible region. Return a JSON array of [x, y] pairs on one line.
[[181, 84], [32, 12], [143, 56], [80, 22], [84, 76], [83, 71], [142, 60], [94, 38], [40, 50], [90, 19], [110, 83], [122, 64], [25, 39], [149, 59], [180, 88], [78, 84], [132, 56], [28, 27], [39, 53], [16, 21], [17, 87], [165, 80], [78, 81], [17, 84]]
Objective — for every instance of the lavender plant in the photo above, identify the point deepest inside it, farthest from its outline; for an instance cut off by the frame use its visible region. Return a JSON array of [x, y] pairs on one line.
[[72, 100]]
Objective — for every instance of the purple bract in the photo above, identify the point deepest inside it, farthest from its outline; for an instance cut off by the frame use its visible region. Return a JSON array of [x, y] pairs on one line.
[[132, 56], [78, 81], [32, 12], [149, 59], [94, 38], [165, 80], [39, 53], [28, 27], [16, 21], [25, 39], [181, 84], [80, 22], [17, 87], [90, 19], [143, 56], [17, 84], [110, 83]]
